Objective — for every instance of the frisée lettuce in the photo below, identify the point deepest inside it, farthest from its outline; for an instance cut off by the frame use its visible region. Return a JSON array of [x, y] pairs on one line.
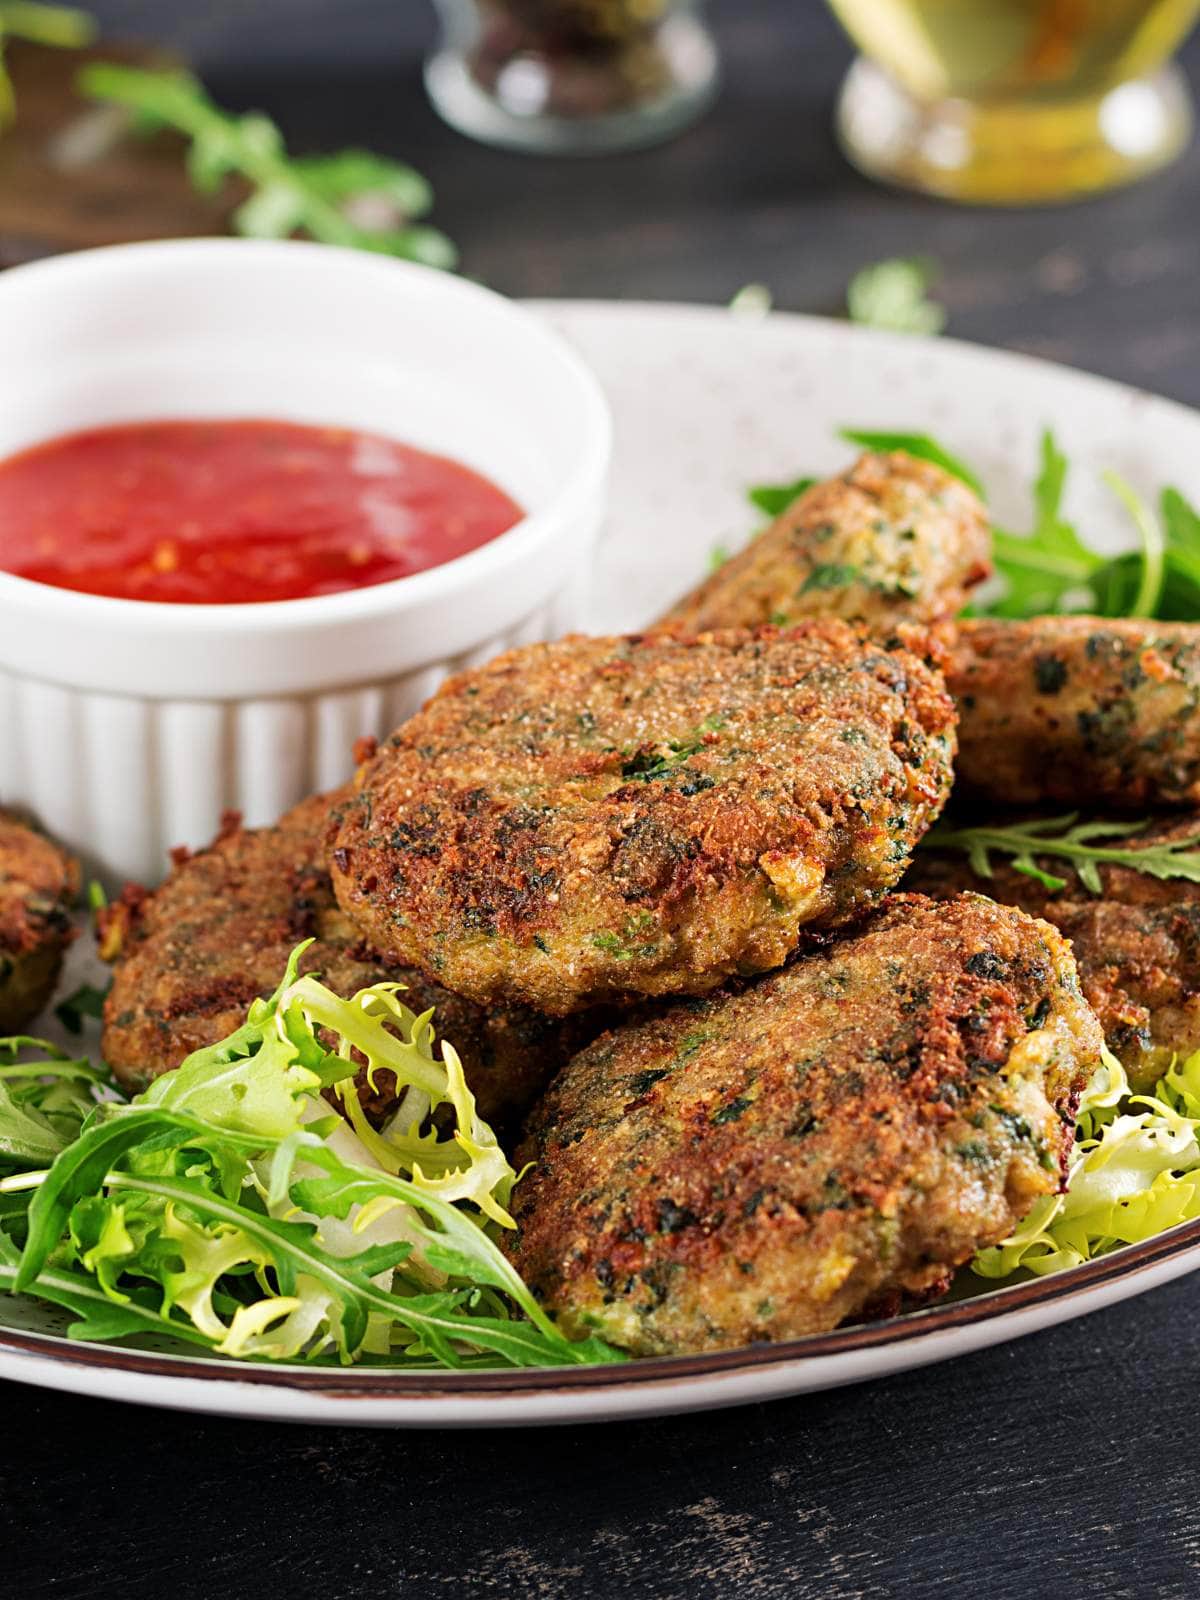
[[232, 1206], [1135, 1173]]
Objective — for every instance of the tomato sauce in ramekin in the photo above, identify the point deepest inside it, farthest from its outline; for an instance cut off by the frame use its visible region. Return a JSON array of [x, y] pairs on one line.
[[230, 512]]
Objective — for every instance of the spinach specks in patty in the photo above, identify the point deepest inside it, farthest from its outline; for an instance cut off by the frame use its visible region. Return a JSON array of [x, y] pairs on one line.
[[1049, 673]]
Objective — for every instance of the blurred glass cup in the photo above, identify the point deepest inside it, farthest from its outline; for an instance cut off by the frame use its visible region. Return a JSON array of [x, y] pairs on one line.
[[1014, 101], [571, 76]]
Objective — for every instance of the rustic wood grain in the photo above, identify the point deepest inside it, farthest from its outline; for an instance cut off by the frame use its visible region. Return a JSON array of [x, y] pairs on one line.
[[1062, 1465], [72, 176]]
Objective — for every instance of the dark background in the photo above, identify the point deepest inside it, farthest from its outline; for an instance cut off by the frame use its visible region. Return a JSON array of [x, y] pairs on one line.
[[755, 193], [1063, 1465]]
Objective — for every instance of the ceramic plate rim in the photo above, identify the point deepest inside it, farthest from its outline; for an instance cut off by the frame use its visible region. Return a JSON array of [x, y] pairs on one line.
[[886, 340], [1180, 1241]]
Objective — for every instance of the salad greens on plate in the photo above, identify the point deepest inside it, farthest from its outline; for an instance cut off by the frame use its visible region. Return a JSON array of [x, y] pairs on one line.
[[1136, 1172], [233, 1207]]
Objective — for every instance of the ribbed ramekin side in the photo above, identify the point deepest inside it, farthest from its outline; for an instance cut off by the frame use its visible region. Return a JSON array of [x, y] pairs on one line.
[[122, 780]]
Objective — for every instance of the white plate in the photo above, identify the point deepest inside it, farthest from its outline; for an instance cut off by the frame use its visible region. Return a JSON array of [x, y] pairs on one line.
[[707, 403]]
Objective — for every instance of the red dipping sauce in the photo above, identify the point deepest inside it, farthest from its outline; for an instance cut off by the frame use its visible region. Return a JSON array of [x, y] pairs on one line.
[[224, 513]]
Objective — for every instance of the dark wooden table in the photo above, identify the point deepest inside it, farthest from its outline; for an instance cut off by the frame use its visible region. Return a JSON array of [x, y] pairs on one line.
[[1065, 1464]]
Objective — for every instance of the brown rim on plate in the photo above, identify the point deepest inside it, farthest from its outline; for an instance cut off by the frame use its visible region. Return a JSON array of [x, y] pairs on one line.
[[373, 1383]]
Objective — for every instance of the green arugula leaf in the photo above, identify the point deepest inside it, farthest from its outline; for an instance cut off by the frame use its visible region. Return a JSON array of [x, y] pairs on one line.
[[1179, 600], [351, 174], [43, 1101], [919, 445], [1070, 840], [1051, 569], [456, 1246], [1043, 568], [1115, 586], [1150, 584], [353, 198], [1181, 521], [27, 1138], [775, 498], [84, 1166], [434, 1321], [893, 294]]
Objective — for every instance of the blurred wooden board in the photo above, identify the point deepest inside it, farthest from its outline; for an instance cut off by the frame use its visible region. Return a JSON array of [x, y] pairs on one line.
[[71, 175]]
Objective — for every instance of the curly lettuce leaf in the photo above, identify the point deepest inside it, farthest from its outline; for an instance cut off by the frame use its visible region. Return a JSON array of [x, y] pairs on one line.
[[469, 1166], [1136, 1173], [256, 1080], [231, 1202], [97, 1315]]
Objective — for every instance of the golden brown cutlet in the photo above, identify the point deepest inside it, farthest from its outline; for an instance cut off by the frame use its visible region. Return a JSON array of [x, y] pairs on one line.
[[893, 539], [1082, 710], [820, 1144], [602, 818]]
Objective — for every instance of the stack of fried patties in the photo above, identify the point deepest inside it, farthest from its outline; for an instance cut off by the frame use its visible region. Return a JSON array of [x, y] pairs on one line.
[[805, 1097], [1098, 716]]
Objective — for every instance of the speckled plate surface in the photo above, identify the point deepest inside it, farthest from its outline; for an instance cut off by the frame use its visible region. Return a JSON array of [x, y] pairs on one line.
[[705, 404]]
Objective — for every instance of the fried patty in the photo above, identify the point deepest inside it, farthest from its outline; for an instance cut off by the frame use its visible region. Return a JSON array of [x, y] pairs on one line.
[[1137, 945], [191, 956], [831, 1141], [1064, 708], [892, 539], [38, 885], [644, 816]]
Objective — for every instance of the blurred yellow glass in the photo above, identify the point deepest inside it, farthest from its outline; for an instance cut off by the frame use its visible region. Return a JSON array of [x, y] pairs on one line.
[[1014, 101]]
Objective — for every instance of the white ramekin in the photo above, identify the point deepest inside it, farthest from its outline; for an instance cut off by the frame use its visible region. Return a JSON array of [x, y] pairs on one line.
[[129, 727]]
